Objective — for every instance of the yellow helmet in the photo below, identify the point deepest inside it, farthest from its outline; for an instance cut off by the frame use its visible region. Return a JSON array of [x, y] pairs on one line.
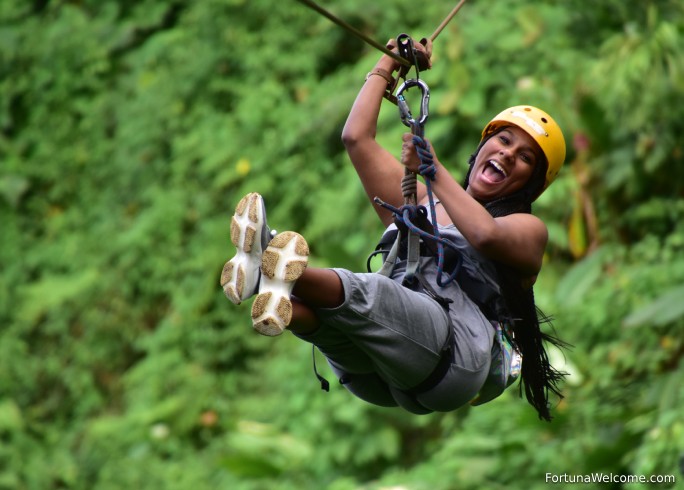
[[541, 127]]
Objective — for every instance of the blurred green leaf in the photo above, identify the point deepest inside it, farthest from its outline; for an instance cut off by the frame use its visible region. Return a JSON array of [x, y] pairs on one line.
[[12, 188], [578, 281], [666, 308], [10, 417]]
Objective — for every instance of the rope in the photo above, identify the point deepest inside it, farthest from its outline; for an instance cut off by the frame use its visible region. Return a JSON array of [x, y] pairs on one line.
[[408, 213], [314, 6], [409, 187], [447, 20]]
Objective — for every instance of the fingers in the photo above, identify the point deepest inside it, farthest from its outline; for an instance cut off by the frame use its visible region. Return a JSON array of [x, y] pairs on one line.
[[424, 52], [427, 43], [409, 156], [409, 138]]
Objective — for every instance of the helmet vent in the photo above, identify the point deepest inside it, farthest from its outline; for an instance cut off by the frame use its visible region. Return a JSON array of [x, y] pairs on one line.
[[544, 120]]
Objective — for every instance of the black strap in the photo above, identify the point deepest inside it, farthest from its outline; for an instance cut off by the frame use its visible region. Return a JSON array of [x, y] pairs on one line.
[[383, 247], [325, 385], [437, 375]]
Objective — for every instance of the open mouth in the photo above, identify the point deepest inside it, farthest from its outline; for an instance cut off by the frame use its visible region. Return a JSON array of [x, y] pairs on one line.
[[494, 171]]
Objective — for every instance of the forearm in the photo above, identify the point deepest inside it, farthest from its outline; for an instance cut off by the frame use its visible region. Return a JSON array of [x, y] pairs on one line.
[[361, 124], [379, 171], [469, 216]]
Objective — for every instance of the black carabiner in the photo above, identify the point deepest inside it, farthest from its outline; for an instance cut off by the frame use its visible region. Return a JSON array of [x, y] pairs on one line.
[[417, 126]]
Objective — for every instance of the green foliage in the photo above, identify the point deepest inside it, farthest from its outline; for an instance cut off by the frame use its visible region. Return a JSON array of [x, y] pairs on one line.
[[128, 132]]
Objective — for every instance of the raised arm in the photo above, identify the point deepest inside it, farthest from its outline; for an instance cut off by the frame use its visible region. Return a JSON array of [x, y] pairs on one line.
[[379, 171]]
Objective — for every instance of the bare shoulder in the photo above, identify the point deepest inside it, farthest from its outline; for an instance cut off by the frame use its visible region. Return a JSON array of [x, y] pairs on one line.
[[522, 242], [527, 224]]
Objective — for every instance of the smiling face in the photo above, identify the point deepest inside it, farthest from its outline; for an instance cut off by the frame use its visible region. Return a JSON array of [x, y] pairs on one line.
[[504, 164]]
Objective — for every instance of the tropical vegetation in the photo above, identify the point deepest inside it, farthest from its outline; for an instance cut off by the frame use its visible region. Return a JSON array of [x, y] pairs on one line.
[[130, 129]]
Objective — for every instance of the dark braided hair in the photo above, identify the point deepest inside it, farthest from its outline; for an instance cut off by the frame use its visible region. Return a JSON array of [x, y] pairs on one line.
[[538, 376]]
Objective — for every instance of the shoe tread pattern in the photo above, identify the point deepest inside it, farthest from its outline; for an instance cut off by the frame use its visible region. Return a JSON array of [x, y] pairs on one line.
[[243, 233], [283, 262]]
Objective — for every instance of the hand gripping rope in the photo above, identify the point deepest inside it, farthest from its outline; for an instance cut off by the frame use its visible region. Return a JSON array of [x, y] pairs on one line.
[[410, 211]]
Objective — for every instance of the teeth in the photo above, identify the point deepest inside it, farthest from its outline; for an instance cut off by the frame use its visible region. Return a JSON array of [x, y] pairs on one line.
[[498, 167]]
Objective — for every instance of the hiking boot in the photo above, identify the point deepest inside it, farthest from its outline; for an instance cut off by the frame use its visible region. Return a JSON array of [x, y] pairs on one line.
[[250, 235], [282, 264]]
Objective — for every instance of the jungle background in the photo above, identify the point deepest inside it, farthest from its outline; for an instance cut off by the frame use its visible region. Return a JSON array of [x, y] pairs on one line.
[[130, 129]]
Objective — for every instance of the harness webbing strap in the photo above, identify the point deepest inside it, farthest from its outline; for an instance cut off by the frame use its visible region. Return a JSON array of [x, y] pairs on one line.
[[412, 257], [388, 265]]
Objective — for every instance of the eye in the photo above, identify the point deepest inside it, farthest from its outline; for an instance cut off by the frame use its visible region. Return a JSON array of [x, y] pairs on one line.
[[527, 158], [504, 139]]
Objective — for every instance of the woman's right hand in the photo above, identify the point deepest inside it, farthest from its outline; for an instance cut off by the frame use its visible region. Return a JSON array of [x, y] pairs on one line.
[[424, 48], [424, 54]]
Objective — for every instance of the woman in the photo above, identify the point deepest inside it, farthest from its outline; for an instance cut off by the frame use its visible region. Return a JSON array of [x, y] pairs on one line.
[[422, 347]]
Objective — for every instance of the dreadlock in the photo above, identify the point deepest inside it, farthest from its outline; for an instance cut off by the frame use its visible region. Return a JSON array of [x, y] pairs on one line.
[[538, 376]]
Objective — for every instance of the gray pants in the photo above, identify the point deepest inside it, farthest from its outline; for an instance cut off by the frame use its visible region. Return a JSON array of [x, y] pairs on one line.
[[386, 338]]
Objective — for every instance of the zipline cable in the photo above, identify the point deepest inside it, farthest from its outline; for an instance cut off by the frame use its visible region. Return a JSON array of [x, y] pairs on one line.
[[314, 6], [354, 31], [447, 20]]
